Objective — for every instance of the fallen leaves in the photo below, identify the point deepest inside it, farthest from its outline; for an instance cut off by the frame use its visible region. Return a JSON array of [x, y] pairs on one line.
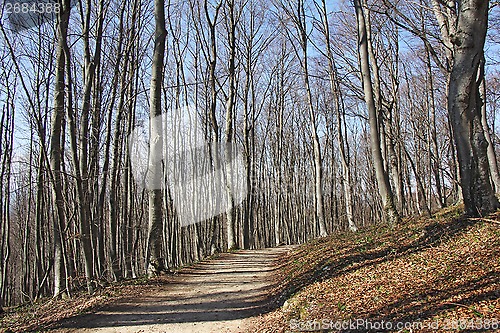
[[426, 270], [48, 312]]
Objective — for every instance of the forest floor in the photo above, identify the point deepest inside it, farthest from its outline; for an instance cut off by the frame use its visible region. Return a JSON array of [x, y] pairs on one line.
[[217, 295], [437, 274]]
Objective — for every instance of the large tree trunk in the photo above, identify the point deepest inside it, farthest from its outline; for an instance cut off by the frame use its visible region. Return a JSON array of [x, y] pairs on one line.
[[156, 262], [390, 211], [464, 107]]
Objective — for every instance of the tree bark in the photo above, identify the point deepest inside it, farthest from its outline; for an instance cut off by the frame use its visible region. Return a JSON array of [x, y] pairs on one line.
[[156, 263], [56, 149], [465, 105]]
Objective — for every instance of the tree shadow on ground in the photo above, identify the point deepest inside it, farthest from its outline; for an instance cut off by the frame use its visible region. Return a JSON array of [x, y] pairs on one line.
[[427, 297], [360, 256], [227, 289]]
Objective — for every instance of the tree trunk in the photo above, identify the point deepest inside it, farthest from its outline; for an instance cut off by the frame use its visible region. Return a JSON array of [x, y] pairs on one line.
[[301, 26], [390, 211], [156, 262], [229, 147], [213, 91], [464, 107], [79, 147], [56, 150], [340, 113]]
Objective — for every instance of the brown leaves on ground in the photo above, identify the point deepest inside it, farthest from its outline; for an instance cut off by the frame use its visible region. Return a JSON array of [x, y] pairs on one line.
[[430, 272], [42, 315]]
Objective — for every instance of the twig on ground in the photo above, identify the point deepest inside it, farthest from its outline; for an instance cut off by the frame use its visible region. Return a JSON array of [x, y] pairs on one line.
[[465, 306], [483, 219]]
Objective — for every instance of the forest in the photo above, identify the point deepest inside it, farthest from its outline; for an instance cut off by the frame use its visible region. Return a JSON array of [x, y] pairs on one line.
[[141, 136]]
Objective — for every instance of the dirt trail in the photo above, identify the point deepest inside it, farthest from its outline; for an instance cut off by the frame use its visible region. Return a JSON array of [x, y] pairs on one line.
[[219, 295]]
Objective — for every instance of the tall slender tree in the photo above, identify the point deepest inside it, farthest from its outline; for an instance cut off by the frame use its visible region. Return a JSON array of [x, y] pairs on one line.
[[298, 16], [340, 115], [384, 186], [156, 262], [56, 147], [230, 115]]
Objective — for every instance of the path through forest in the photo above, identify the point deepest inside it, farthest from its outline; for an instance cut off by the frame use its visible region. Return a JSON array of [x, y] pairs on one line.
[[218, 295]]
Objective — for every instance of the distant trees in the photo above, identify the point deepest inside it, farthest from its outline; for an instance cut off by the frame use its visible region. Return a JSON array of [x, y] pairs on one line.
[[341, 117]]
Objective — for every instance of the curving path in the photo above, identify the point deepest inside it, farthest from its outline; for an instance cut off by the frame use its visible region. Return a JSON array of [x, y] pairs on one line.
[[219, 295]]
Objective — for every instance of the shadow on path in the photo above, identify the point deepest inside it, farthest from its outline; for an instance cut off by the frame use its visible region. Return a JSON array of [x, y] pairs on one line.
[[231, 287]]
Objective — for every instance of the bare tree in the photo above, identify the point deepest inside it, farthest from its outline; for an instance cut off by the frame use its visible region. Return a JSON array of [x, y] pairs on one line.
[[298, 17], [56, 148], [340, 115], [156, 262], [230, 115], [381, 173], [7, 115]]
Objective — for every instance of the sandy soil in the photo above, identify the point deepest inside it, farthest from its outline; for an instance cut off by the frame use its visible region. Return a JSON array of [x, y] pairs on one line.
[[220, 295]]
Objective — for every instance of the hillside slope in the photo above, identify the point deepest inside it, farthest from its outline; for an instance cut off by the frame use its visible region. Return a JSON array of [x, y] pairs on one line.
[[430, 273]]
